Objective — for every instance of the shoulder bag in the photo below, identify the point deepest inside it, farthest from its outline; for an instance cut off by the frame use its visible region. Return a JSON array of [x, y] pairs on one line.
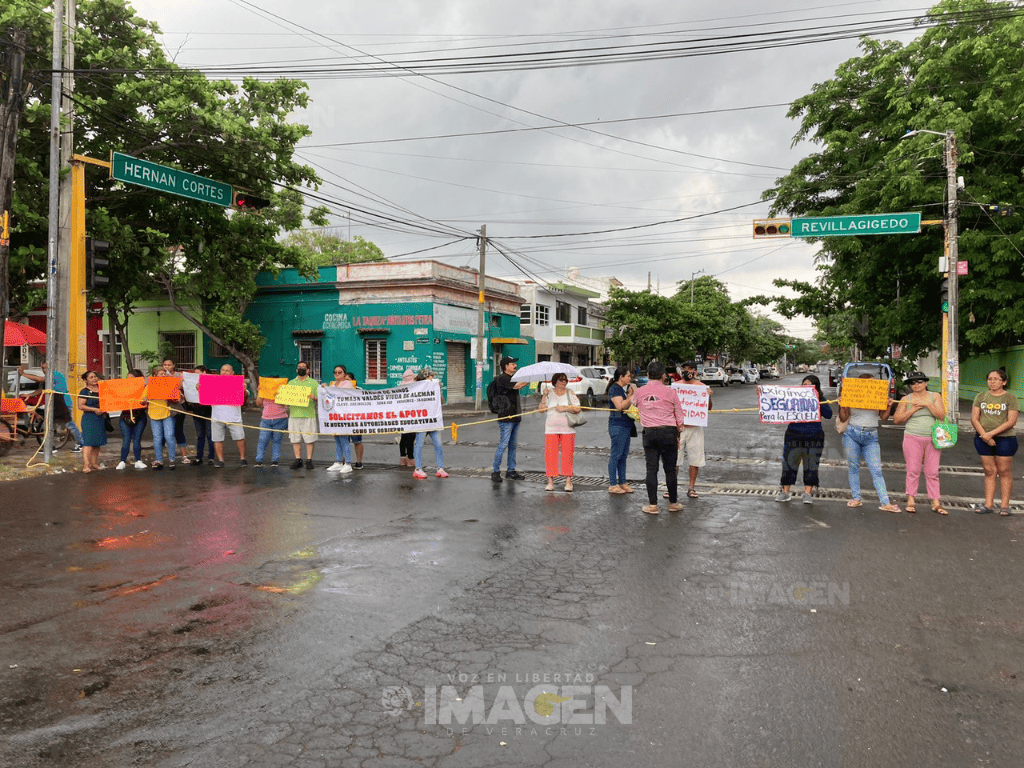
[[575, 419]]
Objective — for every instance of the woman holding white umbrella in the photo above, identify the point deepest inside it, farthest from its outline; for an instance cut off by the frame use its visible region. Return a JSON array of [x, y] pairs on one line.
[[558, 434]]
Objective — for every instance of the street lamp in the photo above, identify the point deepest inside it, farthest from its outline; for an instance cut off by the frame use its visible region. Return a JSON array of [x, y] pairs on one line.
[[950, 323], [693, 275]]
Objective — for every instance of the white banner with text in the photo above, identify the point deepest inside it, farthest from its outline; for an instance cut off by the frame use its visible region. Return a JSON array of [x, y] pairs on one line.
[[412, 408]]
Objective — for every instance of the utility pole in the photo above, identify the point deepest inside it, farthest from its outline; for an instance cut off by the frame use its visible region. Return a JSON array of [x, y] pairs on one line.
[[62, 298], [481, 282], [952, 257], [52, 331]]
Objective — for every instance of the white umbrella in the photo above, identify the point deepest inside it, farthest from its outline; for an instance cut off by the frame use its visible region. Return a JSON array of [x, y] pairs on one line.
[[544, 370]]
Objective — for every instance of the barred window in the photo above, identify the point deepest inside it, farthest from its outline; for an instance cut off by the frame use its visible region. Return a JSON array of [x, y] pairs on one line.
[[526, 314], [183, 349], [543, 315], [376, 361]]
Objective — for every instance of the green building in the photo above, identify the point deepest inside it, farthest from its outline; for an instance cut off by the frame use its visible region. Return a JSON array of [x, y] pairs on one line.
[[380, 319]]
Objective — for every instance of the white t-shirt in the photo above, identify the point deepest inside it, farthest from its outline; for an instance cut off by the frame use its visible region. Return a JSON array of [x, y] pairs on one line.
[[557, 422], [232, 414]]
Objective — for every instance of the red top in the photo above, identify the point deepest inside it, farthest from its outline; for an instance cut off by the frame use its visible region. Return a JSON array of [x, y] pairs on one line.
[[658, 405]]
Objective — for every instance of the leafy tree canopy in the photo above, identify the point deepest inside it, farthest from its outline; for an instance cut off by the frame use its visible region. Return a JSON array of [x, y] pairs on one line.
[[963, 75], [130, 98], [326, 249]]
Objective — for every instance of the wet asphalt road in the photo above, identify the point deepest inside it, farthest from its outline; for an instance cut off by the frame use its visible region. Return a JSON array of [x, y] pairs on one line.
[[251, 617]]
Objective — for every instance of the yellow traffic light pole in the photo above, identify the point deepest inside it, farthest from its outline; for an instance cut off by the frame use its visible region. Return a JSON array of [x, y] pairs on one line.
[[78, 358]]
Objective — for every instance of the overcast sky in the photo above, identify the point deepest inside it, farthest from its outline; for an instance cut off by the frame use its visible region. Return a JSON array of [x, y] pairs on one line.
[[373, 137]]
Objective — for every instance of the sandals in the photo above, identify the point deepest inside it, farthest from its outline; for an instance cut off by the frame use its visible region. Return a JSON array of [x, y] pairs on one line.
[[626, 488], [911, 505], [691, 494], [568, 487], [854, 503], [550, 486], [981, 509], [650, 509], [1004, 512], [677, 507], [157, 465], [890, 508], [616, 489], [938, 509]]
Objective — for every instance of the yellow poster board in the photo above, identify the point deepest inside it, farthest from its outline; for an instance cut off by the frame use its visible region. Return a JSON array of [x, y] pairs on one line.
[[269, 387], [291, 394], [869, 394]]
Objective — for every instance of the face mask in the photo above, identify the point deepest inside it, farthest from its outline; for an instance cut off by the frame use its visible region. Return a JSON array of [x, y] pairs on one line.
[[301, 371], [687, 375]]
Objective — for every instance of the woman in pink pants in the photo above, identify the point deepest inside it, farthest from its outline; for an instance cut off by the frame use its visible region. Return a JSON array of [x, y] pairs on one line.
[[558, 435], [919, 411]]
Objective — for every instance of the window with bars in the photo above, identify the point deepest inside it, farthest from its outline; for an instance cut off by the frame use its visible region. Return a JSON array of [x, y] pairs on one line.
[[581, 315], [526, 314], [563, 312], [310, 354], [376, 361], [543, 315], [183, 348]]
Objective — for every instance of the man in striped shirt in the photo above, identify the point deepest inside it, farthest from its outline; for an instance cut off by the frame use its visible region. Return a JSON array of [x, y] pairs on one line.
[[661, 416]]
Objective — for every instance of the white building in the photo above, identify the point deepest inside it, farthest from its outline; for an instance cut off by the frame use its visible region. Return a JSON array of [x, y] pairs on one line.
[[565, 321]]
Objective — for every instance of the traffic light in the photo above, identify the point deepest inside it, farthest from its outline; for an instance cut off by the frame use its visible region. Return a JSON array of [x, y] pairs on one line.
[[945, 295], [247, 201], [97, 263], [773, 228], [999, 210]]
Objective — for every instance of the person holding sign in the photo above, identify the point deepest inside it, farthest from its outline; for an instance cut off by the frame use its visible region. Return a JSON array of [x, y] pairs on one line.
[[161, 419], [920, 410], [343, 443], [132, 424], [421, 437], [227, 419], [804, 442], [273, 424], [201, 415], [691, 436], [302, 426], [170, 369], [860, 441], [994, 416]]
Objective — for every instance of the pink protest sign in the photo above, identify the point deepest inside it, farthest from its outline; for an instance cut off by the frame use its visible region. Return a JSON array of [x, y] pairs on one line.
[[221, 390]]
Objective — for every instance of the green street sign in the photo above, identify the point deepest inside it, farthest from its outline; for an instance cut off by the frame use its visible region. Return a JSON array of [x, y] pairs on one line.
[[131, 170], [868, 224]]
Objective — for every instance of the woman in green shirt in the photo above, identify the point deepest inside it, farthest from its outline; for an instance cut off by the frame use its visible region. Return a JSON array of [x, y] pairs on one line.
[[993, 416]]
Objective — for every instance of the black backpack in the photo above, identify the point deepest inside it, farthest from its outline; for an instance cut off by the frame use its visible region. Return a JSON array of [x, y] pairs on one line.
[[492, 398]]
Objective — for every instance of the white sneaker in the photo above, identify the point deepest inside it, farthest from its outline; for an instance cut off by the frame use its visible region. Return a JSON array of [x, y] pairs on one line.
[[335, 467], [140, 465], [120, 465], [345, 469]]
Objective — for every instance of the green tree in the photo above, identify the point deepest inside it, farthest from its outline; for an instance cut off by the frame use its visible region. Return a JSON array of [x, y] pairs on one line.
[[326, 249], [129, 97], [642, 326], [963, 76]]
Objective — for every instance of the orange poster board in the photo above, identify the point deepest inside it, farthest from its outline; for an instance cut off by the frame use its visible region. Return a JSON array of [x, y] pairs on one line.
[[163, 387], [122, 394], [869, 394], [12, 405], [269, 387]]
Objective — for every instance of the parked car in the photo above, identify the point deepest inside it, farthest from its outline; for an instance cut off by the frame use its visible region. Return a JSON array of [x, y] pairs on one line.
[[774, 371], [712, 374], [591, 386], [736, 376], [765, 373], [751, 375]]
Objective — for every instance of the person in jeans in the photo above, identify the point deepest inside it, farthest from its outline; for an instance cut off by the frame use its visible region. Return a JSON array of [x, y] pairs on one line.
[[132, 424], [994, 415], [661, 416], [507, 396], [420, 438], [621, 428], [181, 411], [273, 424], [860, 441], [919, 411], [407, 442], [201, 415], [342, 443], [161, 421]]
